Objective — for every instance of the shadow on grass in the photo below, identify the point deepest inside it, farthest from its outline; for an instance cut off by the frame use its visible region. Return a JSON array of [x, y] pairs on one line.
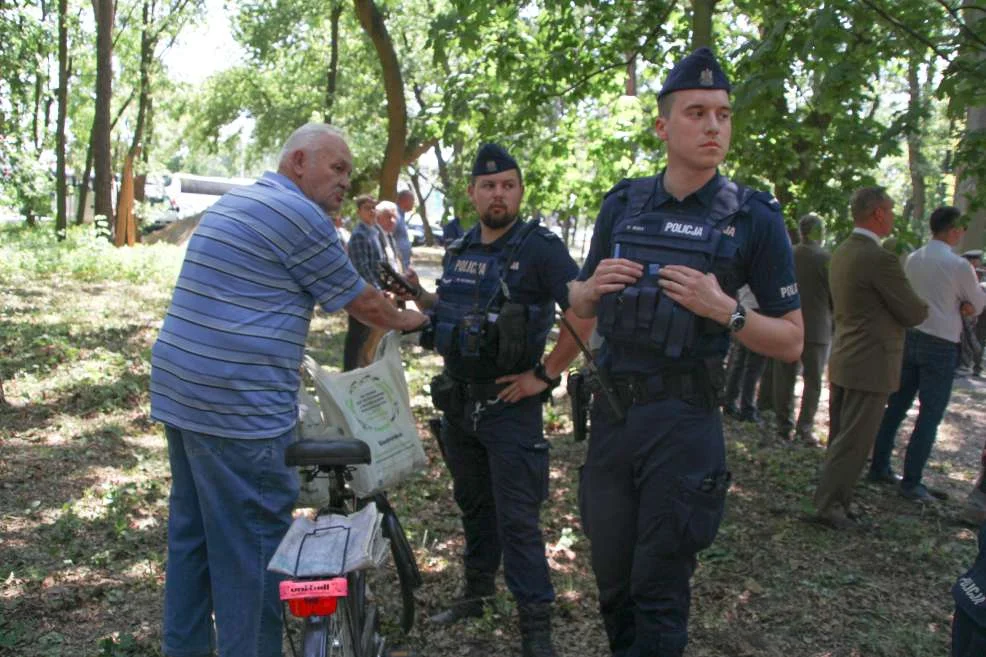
[[79, 399]]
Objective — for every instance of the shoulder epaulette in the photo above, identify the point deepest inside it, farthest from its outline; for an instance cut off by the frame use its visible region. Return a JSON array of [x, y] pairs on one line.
[[546, 233], [459, 245], [766, 198], [619, 187]]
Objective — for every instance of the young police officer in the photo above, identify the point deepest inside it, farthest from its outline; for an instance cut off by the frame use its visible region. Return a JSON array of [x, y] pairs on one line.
[[491, 316], [668, 254]]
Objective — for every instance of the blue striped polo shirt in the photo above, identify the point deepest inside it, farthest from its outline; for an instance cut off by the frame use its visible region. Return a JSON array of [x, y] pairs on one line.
[[227, 358]]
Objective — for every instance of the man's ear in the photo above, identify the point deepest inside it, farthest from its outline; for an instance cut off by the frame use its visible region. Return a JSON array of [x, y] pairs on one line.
[[661, 128], [298, 161]]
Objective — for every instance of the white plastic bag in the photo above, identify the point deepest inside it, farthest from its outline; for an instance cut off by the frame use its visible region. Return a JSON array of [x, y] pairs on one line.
[[371, 404]]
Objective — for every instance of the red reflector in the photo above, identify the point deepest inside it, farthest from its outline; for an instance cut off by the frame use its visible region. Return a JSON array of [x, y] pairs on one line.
[[305, 607]]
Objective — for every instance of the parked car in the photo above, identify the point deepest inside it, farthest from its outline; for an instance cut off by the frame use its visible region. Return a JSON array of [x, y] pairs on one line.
[[416, 231]]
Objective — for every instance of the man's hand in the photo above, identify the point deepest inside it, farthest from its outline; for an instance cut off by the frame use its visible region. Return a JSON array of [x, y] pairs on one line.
[[611, 275], [698, 292], [966, 309], [521, 385], [412, 320]]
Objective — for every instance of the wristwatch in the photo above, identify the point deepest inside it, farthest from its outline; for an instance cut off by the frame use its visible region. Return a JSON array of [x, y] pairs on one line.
[[738, 319], [542, 374]]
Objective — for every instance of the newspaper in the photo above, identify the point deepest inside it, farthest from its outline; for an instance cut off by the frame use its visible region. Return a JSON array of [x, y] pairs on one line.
[[332, 545]]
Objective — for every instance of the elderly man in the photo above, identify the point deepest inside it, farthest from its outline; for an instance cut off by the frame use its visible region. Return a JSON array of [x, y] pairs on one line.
[[873, 303], [224, 382], [387, 221], [949, 285]]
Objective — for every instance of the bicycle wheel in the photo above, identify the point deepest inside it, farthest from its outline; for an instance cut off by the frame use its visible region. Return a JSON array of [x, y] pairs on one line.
[[362, 620], [407, 566], [327, 636]]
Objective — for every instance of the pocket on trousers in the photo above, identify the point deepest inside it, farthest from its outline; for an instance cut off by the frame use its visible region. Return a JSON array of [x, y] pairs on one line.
[[537, 459], [698, 515]]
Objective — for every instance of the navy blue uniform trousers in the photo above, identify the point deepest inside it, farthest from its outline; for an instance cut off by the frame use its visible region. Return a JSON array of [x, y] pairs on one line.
[[498, 459], [646, 514], [969, 622]]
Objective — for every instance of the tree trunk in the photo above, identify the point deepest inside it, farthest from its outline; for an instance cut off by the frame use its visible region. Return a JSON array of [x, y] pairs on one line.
[[443, 175], [137, 146], [702, 11], [967, 187], [330, 83], [61, 220], [970, 184], [102, 154], [915, 158], [80, 210], [372, 21], [631, 78], [125, 232], [422, 208]]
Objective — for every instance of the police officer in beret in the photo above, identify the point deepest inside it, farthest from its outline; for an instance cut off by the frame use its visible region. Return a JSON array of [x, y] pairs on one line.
[[668, 254], [491, 315]]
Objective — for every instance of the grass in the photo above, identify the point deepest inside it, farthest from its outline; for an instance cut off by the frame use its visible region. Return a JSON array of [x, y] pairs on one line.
[[84, 483]]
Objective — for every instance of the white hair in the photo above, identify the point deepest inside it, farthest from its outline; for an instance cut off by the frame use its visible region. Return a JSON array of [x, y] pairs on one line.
[[388, 207], [305, 138]]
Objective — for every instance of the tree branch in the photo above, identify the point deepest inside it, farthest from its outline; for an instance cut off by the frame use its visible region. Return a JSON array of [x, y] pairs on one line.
[[658, 26]]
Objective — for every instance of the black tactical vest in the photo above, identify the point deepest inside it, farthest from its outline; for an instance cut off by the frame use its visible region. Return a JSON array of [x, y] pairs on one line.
[[474, 292], [641, 315]]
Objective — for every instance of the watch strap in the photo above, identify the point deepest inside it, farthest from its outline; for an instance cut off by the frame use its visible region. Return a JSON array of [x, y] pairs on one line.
[[542, 374]]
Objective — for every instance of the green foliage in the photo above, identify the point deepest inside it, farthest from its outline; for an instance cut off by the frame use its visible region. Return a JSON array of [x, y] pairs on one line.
[[83, 256], [26, 185]]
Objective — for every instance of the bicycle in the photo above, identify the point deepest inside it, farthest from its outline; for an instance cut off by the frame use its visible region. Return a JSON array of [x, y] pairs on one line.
[[338, 617]]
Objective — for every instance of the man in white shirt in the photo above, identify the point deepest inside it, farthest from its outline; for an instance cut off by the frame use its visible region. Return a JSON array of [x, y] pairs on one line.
[[948, 284]]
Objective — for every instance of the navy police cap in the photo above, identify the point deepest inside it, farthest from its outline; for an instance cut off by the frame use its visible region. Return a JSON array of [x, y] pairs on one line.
[[699, 70], [493, 158]]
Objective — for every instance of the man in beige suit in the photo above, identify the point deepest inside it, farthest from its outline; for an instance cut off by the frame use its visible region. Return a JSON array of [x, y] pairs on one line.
[[873, 304]]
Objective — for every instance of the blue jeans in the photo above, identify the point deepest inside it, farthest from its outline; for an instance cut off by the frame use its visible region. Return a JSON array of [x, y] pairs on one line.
[[928, 370], [230, 506]]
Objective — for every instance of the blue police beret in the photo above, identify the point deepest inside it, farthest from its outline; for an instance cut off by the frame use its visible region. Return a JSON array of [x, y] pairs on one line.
[[493, 158], [699, 70]]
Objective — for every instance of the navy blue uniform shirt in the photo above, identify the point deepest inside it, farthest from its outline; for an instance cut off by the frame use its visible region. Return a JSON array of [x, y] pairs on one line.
[[755, 250], [538, 272]]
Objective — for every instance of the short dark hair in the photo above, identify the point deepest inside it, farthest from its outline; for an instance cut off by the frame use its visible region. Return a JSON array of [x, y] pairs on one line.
[[364, 199], [943, 219], [664, 104], [865, 201], [808, 223], [405, 192]]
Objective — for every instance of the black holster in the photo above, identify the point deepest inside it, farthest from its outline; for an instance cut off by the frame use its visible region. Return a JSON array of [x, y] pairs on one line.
[[579, 395], [446, 393]]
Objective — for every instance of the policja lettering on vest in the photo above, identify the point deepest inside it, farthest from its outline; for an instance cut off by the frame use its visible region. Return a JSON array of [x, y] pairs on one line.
[[491, 317], [668, 254]]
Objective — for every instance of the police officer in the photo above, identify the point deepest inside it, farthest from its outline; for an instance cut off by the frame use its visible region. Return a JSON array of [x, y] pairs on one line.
[[491, 316], [668, 254]]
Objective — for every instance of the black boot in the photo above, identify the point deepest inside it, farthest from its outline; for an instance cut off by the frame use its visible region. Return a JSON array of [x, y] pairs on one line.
[[535, 629], [478, 593]]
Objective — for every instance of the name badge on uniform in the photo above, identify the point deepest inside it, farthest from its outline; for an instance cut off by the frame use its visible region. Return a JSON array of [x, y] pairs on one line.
[[686, 229]]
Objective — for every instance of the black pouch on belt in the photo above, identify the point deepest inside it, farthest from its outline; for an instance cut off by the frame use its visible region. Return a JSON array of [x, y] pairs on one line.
[[445, 393]]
